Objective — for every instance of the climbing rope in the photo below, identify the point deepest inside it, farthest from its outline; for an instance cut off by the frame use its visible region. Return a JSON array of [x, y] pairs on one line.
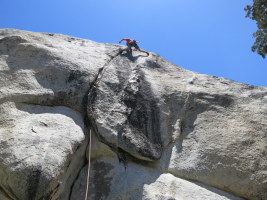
[[100, 73], [89, 163]]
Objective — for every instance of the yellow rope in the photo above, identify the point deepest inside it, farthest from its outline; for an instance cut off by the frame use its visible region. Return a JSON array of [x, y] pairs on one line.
[[89, 163]]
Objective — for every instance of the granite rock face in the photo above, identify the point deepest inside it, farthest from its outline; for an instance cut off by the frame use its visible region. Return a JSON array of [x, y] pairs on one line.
[[124, 110], [159, 131], [111, 179], [44, 83]]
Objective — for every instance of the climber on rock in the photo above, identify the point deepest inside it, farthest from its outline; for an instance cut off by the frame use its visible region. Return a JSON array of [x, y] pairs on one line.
[[131, 43]]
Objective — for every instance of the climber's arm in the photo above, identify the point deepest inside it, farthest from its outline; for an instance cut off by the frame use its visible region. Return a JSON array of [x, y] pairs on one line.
[[121, 40]]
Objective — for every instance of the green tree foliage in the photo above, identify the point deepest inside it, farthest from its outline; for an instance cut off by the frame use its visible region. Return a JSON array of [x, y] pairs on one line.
[[258, 12]]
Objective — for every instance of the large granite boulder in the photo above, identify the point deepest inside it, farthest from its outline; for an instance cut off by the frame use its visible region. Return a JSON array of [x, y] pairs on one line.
[[159, 131], [44, 82], [198, 127]]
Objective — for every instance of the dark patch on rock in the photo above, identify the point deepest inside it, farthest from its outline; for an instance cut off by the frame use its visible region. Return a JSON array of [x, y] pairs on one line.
[[10, 42], [258, 95], [143, 118], [215, 99], [33, 182], [49, 195], [12, 39], [139, 135], [152, 64], [85, 100], [101, 180], [61, 98], [75, 75], [249, 87], [130, 57]]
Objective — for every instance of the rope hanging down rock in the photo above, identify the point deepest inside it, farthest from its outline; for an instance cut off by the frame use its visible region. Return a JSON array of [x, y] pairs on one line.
[[89, 164], [93, 86]]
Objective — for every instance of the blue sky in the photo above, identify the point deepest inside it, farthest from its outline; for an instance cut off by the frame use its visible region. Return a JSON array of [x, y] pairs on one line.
[[208, 36]]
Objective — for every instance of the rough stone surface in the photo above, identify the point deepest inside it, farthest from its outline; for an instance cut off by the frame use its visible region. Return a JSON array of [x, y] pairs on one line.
[[207, 129], [125, 110], [159, 131], [35, 161], [44, 82], [111, 179]]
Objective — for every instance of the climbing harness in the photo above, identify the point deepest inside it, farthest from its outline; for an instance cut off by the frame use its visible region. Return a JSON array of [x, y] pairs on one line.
[[89, 163]]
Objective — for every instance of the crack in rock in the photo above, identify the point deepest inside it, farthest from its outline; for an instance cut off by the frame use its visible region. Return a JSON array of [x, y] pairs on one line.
[[125, 118]]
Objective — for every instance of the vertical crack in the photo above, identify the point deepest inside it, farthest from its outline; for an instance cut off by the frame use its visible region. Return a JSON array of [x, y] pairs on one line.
[[93, 91], [90, 100], [101, 72], [183, 119]]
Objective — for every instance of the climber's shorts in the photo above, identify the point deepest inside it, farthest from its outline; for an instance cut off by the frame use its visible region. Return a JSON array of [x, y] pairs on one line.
[[133, 44]]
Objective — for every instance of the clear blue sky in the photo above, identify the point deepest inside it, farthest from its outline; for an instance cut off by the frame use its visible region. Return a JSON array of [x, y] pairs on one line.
[[208, 36]]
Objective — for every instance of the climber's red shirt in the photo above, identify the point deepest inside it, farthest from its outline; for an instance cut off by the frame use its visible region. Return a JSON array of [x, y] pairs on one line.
[[128, 40]]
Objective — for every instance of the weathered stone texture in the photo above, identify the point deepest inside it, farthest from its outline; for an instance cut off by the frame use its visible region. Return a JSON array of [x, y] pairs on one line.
[[159, 131]]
